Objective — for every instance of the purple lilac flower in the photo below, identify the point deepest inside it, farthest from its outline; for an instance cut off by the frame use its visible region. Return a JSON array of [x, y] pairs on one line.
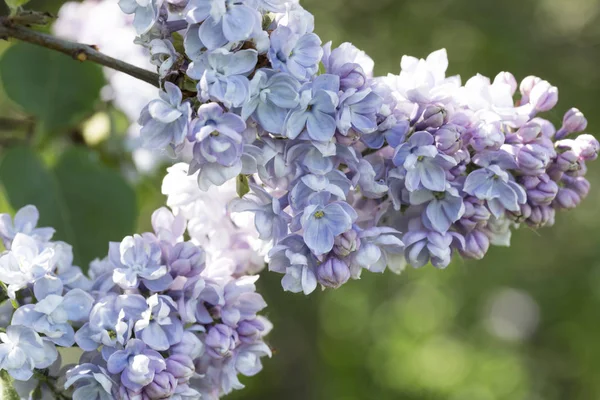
[[159, 326], [322, 223], [90, 382]]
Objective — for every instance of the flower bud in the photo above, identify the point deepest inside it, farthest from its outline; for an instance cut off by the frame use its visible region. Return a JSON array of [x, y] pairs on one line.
[[526, 86], [567, 161], [529, 132], [186, 259], [250, 331], [476, 214], [587, 147], [162, 387], [567, 199], [532, 159], [573, 121], [541, 216], [346, 243], [508, 79], [181, 366], [487, 137], [541, 190], [433, 117], [579, 185], [220, 341], [447, 139], [476, 245], [351, 76], [189, 345], [333, 273], [543, 96]]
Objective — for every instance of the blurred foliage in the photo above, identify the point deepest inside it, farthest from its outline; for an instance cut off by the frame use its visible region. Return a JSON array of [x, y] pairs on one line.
[[519, 325], [87, 203], [54, 88]]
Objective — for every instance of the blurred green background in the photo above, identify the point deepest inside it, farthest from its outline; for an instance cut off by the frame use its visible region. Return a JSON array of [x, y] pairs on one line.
[[521, 324]]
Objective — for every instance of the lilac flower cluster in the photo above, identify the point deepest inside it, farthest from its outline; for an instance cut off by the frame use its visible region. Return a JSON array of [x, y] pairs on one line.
[[157, 318], [347, 171]]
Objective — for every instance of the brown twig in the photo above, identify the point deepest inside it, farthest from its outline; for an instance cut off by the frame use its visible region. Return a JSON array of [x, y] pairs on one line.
[[82, 52]]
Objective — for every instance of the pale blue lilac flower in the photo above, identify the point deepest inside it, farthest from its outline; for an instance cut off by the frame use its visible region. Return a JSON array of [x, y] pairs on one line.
[[212, 122], [90, 382], [493, 184], [51, 315], [353, 66], [296, 54], [425, 166], [443, 208], [22, 350], [376, 247], [25, 263], [242, 302], [163, 55], [270, 220], [367, 183], [139, 260], [146, 13], [222, 75], [309, 186], [423, 246], [272, 95], [159, 327], [110, 321], [224, 20], [322, 223], [357, 110], [293, 258], [299, 20], [136, 364], [309, 158], [165, 120], [25, 221], [316, 110]]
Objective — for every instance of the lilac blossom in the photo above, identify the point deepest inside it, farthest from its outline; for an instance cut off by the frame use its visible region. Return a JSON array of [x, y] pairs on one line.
[[22, 350], [222, 75], [136, 364], [322, 223], [165, 120], [25, 221], [296, 54], [223, 21], [272, 95]]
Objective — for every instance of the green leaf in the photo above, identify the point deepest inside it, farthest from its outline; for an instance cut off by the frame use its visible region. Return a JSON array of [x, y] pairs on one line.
[[87, 203], [241, 185], [8, 391], [15, 4], [56, 89]]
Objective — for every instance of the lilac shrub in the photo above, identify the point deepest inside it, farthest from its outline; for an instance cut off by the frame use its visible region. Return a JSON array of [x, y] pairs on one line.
[[347, 171], [159, 317]]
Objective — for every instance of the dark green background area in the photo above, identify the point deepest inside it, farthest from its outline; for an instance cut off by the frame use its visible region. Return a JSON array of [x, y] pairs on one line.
[[427, 334]]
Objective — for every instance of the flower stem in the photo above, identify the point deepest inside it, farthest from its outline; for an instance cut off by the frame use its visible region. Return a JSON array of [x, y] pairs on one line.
[[14, 303]]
